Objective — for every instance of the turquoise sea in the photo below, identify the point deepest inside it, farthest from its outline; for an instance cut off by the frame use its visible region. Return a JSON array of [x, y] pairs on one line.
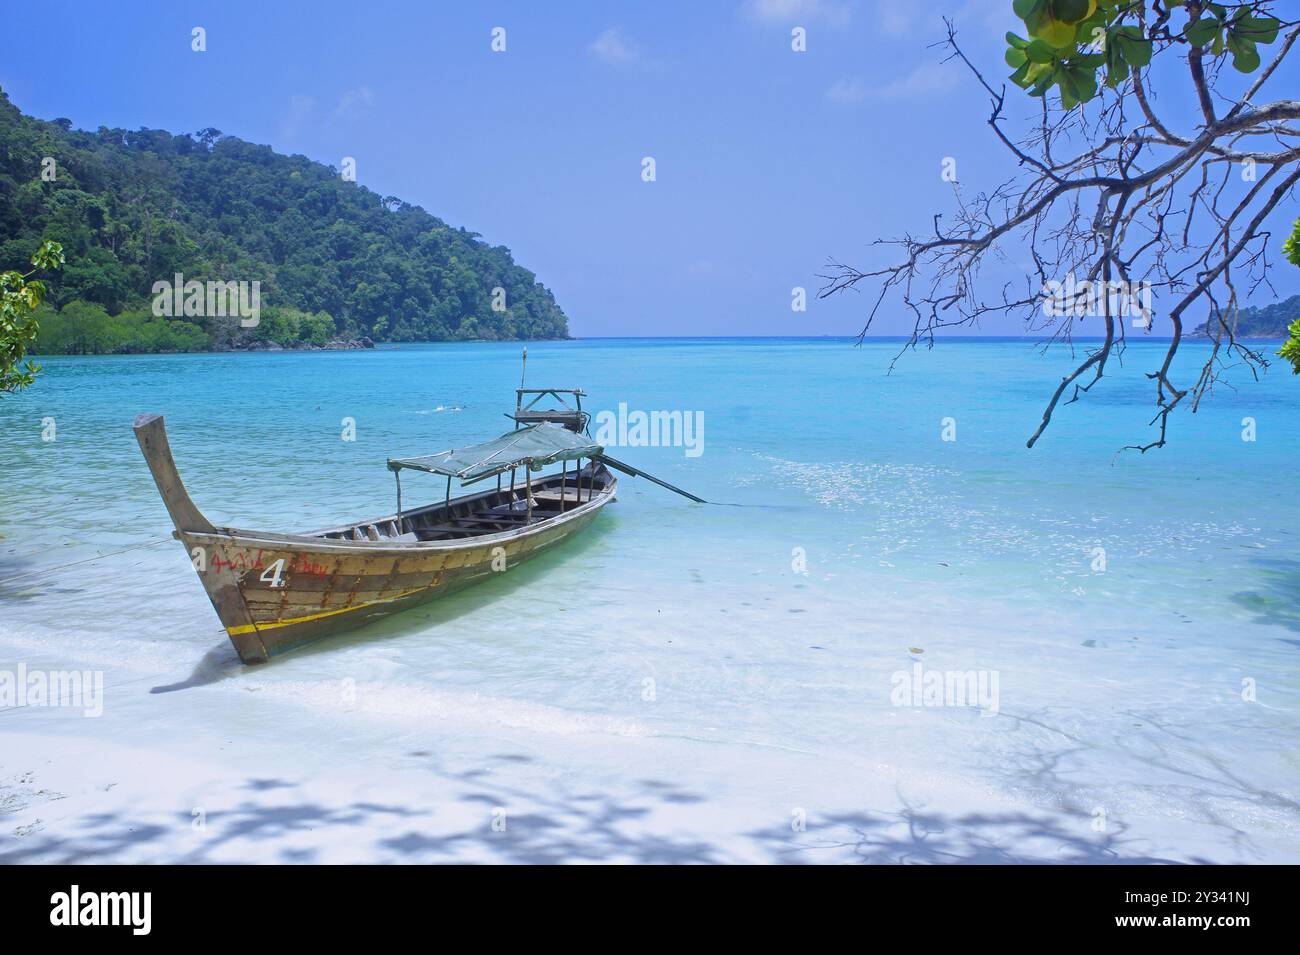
[[684, 682]]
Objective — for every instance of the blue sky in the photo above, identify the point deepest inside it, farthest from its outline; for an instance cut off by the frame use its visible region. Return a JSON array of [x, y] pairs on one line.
[[768, 161]]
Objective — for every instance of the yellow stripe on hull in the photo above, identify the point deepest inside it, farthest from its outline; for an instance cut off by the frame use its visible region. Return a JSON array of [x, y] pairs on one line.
[[257, 627]]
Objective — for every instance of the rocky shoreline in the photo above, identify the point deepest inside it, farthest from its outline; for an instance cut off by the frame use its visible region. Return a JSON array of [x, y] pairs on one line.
[[263, 345]]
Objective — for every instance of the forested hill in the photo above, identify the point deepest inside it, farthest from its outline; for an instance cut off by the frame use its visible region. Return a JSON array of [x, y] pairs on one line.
[[136, 207], [1263, 321]]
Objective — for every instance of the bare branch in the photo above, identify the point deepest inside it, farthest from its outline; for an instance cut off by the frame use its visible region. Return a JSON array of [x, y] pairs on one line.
[[1138, 211]]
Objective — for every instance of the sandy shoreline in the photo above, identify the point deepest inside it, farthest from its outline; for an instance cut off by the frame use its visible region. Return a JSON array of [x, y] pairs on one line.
[[393, 773]]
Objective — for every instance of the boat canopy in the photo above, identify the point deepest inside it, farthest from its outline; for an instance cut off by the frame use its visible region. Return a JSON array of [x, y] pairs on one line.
[[534, 446]]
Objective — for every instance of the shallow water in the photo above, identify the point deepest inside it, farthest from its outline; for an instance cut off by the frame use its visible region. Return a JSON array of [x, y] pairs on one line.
[[702, 674]]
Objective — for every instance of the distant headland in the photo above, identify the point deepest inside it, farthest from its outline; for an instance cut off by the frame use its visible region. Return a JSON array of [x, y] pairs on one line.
[[335, 262]]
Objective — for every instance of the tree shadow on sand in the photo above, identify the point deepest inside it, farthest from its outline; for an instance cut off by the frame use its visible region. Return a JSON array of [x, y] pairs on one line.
[[473, 816], [914, 837], [574, 829], [105, 837]]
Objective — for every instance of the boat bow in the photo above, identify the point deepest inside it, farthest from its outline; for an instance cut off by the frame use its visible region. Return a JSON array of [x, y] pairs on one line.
[[152, 435]]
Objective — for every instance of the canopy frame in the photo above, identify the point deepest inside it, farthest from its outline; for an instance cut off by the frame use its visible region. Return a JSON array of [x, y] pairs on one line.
[[532, 447], [572, 418]]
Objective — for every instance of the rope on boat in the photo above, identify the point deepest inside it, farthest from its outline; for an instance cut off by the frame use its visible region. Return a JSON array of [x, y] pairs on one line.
[[86, 560]]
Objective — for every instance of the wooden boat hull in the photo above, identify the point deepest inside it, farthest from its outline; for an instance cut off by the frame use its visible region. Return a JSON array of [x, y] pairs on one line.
[[322, 591], [277, 592]]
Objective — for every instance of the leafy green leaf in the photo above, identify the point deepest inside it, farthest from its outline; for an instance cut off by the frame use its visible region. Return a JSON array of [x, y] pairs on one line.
[[1202, 31], [48, 256], [1245, 58], [1291, 248], [1043, 82], [1040, 52], [1247, 61], [19, 299], [1085, 83], [1136, 49], [1259, 29], [1116, 74]]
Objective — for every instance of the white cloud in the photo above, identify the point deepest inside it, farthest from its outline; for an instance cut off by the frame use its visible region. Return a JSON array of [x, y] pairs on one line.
[[302, 111], [927, 79], [924, 80], [896, 19], [848, 90], [795, 11], [354, 102], [613, 47]]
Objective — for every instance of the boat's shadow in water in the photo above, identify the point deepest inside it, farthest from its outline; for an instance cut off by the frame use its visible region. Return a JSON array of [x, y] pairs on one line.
[[22, 579], [222, 663], [1276, 599]]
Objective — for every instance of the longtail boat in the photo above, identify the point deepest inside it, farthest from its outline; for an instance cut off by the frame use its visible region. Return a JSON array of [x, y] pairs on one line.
[[275, 592]]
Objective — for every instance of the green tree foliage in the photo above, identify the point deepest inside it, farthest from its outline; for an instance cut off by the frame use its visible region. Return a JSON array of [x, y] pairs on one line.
[[1291, 349], [20, 298], [287, 326], [86, 328], [1071, 42], [135, 207]]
